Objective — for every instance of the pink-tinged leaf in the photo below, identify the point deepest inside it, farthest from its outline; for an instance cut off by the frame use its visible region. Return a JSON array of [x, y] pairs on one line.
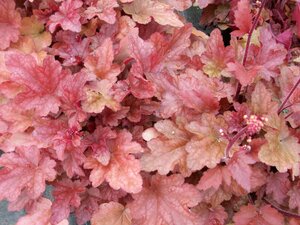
[[40, 82], [278, 185], [244, 75], [210, 215], [167, 149], [10, 23], [111, 213], [206, 147], [104, 10], [240, 169], [70, 92], [13, 119], [25, 169], [216, 56], [165, 200], [66, 195], [138, 49], [294, 194], [179, 5], [66, 142], [109, 194], [143, 10], [139, 86], [39, 214], [9, 142], [100, 61], [285, 38], [242, 18], [70, 47], [211, 178], [271, 55], [265, 215], [120, 169], [67, 17], [169, 49], [204, 3], [89, 204], [185, 92]]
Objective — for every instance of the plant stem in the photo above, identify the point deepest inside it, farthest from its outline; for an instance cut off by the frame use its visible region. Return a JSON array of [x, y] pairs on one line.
[[248, 42], [233, 140], [287, 97]]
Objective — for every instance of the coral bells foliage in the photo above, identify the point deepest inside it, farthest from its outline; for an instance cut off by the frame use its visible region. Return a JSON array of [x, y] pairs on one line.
[[133, 117]]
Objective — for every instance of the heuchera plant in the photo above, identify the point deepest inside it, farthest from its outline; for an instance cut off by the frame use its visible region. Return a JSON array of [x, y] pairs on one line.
[[134, 117]]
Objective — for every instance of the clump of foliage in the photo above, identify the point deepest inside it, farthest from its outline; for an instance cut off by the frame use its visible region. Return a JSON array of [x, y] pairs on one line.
[[135, 117]]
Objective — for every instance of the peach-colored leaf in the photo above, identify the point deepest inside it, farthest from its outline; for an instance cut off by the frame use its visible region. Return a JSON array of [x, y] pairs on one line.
[[281, 151], [111, 213], [143, 10], [165, 201], [121, 170], [10, 23], [167, 150], [216, 55], [206, 147]]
